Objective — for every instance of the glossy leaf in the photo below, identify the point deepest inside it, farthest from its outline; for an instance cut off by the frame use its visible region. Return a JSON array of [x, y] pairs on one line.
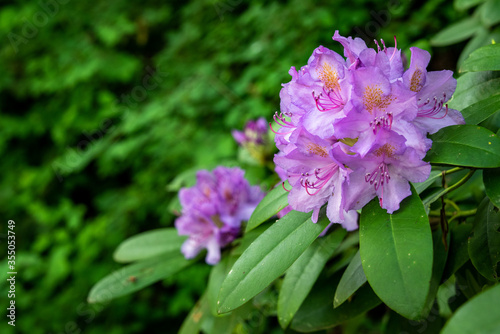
[[484, 244], [480, 314], [149, 244], [317, 312], [136, 276], [342, 261], [483, 59], [396, 253], [473, 87], [433, 195], [268, 257], [491, 180], [352, 279], [481, 38], [465, 145], [351, 241], [456, 32], [242, 244], [303, 273], [275, 201], [217, 276], [421, 186], [479, 111]]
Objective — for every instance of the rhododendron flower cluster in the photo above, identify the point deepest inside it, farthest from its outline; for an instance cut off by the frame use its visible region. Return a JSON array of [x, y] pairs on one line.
[[213, 210], [254, 133], [355, 128], [255, 139]]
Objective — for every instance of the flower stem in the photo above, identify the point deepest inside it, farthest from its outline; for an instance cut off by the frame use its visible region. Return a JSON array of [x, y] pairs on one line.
[[453, 170], [453, 204], [466, 213], [436, 196], [461, 182]]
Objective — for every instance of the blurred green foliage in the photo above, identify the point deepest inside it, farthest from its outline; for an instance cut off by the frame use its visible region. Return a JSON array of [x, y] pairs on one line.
[[103, 104]]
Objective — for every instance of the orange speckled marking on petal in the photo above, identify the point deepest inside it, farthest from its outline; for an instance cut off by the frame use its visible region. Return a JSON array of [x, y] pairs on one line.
[[387, 150], [374, 98], [329, 77], [416, 81], [317, 150]]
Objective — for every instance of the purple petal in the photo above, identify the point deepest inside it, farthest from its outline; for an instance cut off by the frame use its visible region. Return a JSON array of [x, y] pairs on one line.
[[352, 47]]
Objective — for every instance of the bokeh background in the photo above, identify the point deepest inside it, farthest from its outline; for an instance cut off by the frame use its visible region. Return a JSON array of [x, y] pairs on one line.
[[103, 104]]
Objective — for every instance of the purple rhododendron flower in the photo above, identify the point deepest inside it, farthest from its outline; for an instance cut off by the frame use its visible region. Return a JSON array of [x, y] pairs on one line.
[[255, 140], [356, 128], [255, 132], [213, 210]]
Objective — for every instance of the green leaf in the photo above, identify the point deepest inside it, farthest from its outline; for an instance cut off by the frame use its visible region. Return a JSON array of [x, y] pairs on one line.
[[342, 261], [396, 253], [473, 87], [352, 279], [490, 13], [421, 186], [456, 32], [192, 322], [479, 111], [274, 202], [225, 324], [186, 178], [480, 314], [465, 145], [247, 239], [484, 244], [446, 291], [481, 38], [469, 281], [268, 257], [397, 324], [350, 242], [433, 195], [149, 244], [440, 254], [458, 254], [317, 313], [465, 4], [491, 180], [217, 276], [300, 277], [483, 59], [136, 276]]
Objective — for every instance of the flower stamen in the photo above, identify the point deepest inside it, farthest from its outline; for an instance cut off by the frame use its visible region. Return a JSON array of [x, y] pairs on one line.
[[314, 183], [281, 121], [328, 100], [384, 121], [378, 177], [430, 108], [395, 48]]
